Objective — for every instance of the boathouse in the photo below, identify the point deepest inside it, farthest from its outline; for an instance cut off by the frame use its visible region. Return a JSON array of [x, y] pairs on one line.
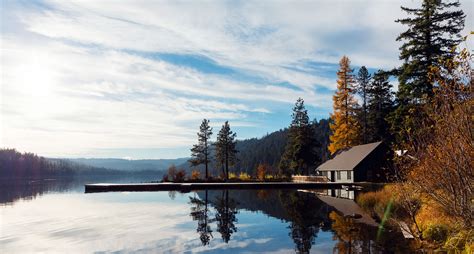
[[363, 163]]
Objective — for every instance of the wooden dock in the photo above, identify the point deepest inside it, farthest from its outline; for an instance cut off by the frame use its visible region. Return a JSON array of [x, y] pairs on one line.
[[186, 187]]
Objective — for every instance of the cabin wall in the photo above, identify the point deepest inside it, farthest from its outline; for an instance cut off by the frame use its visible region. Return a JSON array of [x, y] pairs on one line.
[[340, 176], [371, 168]]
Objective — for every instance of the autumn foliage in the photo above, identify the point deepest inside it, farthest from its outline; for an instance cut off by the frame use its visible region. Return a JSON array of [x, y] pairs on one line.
[[345, 128], [444, 168], [261, 171], [195, 175]]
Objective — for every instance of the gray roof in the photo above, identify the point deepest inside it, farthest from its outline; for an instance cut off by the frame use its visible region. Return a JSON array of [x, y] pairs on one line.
[[350, 158]]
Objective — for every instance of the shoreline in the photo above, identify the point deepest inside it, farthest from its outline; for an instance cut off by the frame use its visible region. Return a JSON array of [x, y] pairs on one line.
[[186, 187]]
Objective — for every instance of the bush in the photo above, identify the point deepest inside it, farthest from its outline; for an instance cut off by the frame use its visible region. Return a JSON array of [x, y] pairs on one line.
[[244, 176], [172, 172], [180, 175], [195, 175], [261, 170], [232, 175], [462, 242], [267, 176], [367, 201], [437, 233], [165, 178]]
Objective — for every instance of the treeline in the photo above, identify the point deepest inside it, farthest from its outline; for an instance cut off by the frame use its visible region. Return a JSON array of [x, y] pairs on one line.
[[14, 164], [354, 123], [431, 39], [251, 156], [268, 150]]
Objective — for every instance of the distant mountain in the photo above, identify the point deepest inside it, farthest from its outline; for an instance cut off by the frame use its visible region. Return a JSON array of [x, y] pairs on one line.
[[14, 164], [130, 165]]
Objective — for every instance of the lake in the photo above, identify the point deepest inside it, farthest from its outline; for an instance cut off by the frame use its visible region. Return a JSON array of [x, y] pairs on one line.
[[56, 216]]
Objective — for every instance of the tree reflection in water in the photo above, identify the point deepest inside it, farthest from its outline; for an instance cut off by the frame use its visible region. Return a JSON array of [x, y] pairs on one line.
[[226, 209], [307, 215], [200, 213]]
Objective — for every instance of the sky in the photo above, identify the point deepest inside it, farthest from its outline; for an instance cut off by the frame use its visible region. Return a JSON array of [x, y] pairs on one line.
[[134, 79]]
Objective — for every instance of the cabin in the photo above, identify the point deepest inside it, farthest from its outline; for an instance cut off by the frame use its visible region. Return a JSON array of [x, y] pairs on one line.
[[363, 163]]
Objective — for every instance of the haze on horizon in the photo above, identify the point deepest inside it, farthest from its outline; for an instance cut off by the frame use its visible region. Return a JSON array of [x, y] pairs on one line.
[[96, 79]]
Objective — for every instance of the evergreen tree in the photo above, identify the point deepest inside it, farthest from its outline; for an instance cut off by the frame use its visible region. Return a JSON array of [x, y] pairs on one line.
[[363, 79], [300, 151], [344, 126], [225, 149], [433, 31], [200, 153], [380, 104]]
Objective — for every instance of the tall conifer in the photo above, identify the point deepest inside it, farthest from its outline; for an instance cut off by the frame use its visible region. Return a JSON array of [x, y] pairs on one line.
[[201, 152], [363, 79], [300, 152], [345, 128], [225, 148], [433, 32], [379, 104]]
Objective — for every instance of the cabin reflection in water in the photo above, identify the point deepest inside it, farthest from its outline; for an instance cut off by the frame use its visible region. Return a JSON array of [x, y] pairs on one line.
[[341, 193], [337, 193]]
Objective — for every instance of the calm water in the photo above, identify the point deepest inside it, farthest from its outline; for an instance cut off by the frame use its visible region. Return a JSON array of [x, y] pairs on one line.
[[57, 217]]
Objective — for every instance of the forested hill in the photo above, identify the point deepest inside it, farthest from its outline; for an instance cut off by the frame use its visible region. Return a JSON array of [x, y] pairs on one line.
[[131, 165], [269, 149], [14, 164]]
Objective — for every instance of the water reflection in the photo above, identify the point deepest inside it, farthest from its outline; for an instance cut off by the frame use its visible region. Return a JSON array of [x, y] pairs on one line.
[[226, 209], [14, 189], [307, 213], [282, 221], [200, 213]]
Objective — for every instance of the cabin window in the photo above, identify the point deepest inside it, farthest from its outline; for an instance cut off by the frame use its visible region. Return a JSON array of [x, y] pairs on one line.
[[349, 175], [338, 175]]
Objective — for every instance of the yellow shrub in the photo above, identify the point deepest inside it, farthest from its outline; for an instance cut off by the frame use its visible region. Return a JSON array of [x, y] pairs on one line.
[[269, 176], [232, 175], [462, 242], [376, 202], [244, 176], [431, 214]]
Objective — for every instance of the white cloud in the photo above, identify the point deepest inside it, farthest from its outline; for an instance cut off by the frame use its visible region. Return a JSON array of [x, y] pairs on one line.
[[69, 74]]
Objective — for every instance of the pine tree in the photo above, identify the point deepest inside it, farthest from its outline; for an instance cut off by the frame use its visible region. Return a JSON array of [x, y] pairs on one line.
[[201, 152], [380, 104], [225, 148], [300, 151], [344, 126], [363, 79], [433, 31]]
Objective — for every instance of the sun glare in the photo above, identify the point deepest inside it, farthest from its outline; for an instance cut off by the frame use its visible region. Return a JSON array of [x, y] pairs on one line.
[[35, 77]]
